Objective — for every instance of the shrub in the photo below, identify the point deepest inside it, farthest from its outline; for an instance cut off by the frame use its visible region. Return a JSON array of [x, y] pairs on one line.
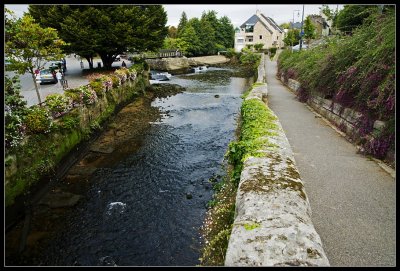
[[68, 122], [107, 82], [58, 104], [38, 120], [116, 81], [98, 87], [15, 111], [88, 96], [74, 95], [121, 75]]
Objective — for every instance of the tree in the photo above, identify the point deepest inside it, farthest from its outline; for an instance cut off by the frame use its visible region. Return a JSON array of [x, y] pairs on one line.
[[330, 14], [206, 35], [172, 32], [107, 30], [182, 24], [28, 46], [309, 29], [285, 25], [226, 32], [292, 37], [352, 16], [177, 43], [189, 36]]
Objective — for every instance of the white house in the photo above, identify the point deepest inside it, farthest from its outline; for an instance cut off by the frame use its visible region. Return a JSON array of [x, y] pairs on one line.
[[259, 29]]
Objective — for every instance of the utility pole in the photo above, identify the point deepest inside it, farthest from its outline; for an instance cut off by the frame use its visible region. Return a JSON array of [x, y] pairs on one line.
[[301, 32]]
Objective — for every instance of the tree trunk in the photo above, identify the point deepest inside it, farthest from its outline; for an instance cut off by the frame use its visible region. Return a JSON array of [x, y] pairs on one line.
[[36, 87], [90, 61], [107, 60]]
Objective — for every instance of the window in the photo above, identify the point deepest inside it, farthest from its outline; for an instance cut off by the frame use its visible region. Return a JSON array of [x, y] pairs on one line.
[[277, 37], [250, 39], [249, 28], [260, 37], [240, 40]]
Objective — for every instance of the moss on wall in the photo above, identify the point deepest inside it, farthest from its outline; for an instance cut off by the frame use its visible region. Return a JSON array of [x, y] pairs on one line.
[[41, 154]]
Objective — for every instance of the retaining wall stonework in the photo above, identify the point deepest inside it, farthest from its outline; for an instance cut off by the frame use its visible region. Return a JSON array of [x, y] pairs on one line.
[[344, 118], [272, 225]]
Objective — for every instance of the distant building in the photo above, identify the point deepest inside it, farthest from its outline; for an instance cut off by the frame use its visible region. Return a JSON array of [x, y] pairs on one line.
[[296, 25], [322, 25], [259, 29]]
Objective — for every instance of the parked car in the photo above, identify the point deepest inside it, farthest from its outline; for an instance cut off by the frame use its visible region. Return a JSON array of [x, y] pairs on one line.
[[55, 65], [297, 47], [47, 76]]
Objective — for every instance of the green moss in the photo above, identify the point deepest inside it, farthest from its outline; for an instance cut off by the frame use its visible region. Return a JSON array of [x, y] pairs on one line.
[[42, 152], [251, 226], [258, 123]]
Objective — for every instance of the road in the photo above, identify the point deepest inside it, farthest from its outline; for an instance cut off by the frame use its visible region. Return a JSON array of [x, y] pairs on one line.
[[353, 200], [73, 75]]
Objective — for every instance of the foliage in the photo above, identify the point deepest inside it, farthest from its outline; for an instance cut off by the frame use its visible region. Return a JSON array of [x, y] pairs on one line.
[[68, 122], [172, 32], [98, 86], [258, 46], [249, 58], [257, 122], [309, 29], [28, 46], [38, 120], [285, 25], [203, 36], [182, 24], [106, 30], [87, 95], [355, 71], [58, 104], [352, 16], [116, 81], [217, 226], [14, 112], [121, 74], [292, 37]]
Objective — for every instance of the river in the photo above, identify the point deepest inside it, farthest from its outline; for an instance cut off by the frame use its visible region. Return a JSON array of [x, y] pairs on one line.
[[146, 198]]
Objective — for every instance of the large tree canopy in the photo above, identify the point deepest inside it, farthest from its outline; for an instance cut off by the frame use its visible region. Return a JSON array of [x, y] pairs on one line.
[[206, 35], [107, 30], [28, 46]]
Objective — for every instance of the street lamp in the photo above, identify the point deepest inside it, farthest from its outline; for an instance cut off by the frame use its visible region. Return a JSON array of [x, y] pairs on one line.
[[298, 14], [301, 32]]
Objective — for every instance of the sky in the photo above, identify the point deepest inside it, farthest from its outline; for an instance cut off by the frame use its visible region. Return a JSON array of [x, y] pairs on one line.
[[238, 14]]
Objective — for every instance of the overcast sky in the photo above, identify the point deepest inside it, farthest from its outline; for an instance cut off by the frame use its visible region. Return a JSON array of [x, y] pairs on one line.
[[238, 14]]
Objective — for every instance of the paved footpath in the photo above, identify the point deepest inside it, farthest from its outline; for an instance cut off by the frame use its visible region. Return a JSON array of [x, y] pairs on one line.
[[353, 200]]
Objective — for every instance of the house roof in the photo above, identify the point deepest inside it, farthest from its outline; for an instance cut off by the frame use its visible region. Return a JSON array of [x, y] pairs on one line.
[[272, 22], [295, 25], [253, 20]]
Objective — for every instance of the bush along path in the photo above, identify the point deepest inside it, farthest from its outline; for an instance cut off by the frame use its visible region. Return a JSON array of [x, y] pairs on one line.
[[356, 72]]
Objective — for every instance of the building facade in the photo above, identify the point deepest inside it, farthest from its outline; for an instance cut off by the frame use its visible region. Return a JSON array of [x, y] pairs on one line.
[[259, 29]]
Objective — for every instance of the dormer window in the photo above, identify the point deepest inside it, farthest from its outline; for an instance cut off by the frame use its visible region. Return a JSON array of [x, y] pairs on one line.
[[249, 28]]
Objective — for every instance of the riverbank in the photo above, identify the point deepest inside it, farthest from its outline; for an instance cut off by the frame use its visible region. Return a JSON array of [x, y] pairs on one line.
[[48, 215], [180, 65]]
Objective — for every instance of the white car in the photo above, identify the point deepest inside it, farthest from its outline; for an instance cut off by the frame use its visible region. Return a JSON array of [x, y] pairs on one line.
[[297, 47]]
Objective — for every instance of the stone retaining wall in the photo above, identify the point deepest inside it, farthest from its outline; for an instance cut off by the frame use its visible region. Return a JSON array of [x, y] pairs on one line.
[[344, 118], [272, 225]]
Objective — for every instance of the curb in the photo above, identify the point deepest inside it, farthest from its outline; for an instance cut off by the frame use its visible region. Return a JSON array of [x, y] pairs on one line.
[[272, 225]]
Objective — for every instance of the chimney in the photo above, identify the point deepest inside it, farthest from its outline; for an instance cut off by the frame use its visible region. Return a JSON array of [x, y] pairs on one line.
[[258, 13]]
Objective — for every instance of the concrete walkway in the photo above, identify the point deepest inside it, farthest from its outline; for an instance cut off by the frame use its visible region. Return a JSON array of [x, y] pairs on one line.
[[353, 200]]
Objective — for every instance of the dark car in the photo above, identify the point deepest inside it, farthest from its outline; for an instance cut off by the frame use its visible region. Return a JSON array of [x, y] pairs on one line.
[[47, 76]]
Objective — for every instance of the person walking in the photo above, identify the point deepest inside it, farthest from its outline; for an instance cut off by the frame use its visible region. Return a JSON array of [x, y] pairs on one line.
[[123, 64], [59, 77]]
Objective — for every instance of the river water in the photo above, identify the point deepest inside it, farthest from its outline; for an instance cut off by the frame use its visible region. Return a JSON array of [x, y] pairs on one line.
[[145, 207]]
